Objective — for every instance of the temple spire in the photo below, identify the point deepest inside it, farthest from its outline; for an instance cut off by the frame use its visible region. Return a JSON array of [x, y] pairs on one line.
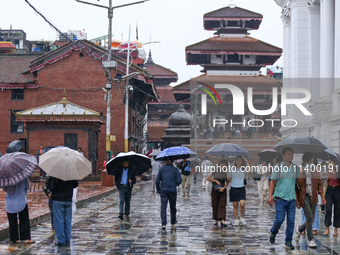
[[149, 62]]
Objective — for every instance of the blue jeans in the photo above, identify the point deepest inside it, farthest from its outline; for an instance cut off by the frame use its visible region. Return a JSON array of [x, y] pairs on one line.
[[171, 197], [124, 197], [281, 207], [62, 220]]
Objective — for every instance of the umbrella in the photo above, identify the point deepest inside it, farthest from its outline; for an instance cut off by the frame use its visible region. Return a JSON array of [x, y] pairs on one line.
[[65, 164], [301, 144], [15, 167], [227, 149], [177, 152], [138, 162], [269, 154], [14, 146], [0, 154], [48, 148], [327, 153]]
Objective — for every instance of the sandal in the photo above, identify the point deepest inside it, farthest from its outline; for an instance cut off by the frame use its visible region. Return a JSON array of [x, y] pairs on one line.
[[17, 241], [29, 241]]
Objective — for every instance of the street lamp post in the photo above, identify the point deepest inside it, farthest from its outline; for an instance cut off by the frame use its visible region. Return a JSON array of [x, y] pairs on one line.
[[109, 65]]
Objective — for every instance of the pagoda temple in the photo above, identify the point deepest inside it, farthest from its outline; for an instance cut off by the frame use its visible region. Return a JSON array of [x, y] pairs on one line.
[[232, 57], [160, 111]]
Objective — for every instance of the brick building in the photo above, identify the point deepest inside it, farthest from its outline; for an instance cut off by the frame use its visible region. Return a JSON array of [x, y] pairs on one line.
[[29, 80]]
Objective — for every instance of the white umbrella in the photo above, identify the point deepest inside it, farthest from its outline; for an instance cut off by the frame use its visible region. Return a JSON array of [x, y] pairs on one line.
[[65, 164]]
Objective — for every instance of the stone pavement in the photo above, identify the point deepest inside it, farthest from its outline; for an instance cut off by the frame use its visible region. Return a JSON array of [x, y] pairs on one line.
[[97, 229]]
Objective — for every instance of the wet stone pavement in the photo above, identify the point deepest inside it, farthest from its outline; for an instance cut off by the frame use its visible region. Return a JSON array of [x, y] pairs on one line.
[[97, 229]]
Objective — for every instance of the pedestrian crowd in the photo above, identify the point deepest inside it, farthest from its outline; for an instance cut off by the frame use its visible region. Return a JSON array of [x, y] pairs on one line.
[[287, 186]]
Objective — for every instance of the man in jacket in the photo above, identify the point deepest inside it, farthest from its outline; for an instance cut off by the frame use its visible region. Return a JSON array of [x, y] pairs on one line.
[[61, 193], [309, 185], [125, 178], [167, 180]]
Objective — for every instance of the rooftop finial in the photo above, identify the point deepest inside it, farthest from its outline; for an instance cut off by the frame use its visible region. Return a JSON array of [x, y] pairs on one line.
[[64, 100], [231, 4], [149, 62]]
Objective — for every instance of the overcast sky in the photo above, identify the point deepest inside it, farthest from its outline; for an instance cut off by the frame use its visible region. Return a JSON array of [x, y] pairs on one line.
[[175, 23]]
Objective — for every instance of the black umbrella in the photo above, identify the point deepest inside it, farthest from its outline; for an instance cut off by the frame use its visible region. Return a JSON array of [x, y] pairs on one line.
[[14, 146], [138, 162], [269, 154], [227, 149], [301, 144], [48, 148]]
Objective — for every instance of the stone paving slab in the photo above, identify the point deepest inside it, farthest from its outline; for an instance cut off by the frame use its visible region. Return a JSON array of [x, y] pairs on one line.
[[97, 230]]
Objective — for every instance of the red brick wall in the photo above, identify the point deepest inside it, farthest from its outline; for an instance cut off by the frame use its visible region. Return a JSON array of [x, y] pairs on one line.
[[83, 78]]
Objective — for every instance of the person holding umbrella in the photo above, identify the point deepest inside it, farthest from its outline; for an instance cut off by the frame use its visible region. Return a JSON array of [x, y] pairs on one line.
[[125, 179], [15, 168], [64, 167], [220, 183], [282, 189], [167, 180], [310, 184], [61, 193], [237, 193]]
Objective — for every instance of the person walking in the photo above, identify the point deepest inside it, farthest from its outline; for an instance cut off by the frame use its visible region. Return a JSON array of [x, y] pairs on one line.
[[16, 204], [125, 179], [205, 169], [155, 166], [185, 174], [237, 133], [310, 184], [219, 192], [332, 196], [237, 193], [263, 184], [61, 193], [168, 178], [194, 167], [282, 189]]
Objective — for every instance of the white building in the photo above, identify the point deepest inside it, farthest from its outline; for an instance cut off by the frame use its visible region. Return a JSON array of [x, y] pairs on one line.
[[312, 60]]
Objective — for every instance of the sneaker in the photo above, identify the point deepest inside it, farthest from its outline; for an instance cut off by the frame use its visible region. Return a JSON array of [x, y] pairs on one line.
[[289, 246], [272, 238], [163, 227], [236, 223], [243, 222], [297, 234], [312, 244]]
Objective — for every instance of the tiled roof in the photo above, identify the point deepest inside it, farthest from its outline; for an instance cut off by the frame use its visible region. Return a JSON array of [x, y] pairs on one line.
[[237, 12], [156, 132], [166, 94], [223, 45], [158, 70], [12, 67], [259, 83]]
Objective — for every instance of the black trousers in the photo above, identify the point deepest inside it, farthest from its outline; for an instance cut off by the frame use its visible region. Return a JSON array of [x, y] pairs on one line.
[[25, 230], [332, 198]]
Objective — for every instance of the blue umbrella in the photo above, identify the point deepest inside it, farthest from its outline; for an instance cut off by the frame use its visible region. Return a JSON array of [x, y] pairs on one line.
[[227, 149], [177, 152]]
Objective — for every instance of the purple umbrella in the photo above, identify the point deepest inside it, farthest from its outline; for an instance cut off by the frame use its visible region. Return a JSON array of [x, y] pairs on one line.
[[15, 167]]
